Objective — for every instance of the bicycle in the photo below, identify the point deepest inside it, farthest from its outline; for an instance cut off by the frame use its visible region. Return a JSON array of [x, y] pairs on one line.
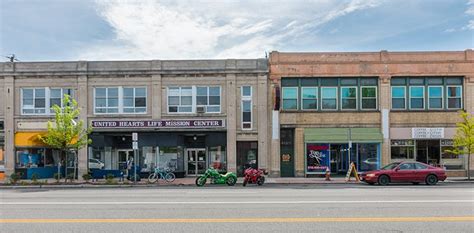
[[166, 175]]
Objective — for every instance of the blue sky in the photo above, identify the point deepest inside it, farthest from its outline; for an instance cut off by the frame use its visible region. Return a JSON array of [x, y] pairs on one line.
[[44, 30]]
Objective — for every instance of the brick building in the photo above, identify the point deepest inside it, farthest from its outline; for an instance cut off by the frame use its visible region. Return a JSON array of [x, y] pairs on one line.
[[189, 115], [368, 108]]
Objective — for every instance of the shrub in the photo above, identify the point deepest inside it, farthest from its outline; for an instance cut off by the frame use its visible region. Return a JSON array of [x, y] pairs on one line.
[[87, 177], [14, 178], [34, 177], [109, 179]]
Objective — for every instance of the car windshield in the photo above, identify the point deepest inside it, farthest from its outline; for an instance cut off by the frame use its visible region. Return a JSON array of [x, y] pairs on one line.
[[390, 166]]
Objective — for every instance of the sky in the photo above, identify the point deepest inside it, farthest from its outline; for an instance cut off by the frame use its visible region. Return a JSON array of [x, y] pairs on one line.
[[56, 30]]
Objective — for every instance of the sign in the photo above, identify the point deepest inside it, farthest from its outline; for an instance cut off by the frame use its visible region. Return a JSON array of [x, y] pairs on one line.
[[135, 145], [285, 157], [317, 158], [135, 136], [427, 133], [160, 124], [352, 170]]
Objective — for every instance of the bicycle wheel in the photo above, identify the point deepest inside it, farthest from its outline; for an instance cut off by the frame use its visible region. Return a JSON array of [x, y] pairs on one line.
[[170, 177], [152, 178]]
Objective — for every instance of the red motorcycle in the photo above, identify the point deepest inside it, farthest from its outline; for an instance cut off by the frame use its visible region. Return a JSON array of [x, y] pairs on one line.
[[254, 176]]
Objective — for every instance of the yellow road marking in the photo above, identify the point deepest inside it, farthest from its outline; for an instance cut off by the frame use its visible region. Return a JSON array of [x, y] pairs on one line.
[[246, 220]]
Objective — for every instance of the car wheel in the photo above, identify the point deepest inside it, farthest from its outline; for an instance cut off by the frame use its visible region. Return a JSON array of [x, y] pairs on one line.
[[431, 179], [383, 180]]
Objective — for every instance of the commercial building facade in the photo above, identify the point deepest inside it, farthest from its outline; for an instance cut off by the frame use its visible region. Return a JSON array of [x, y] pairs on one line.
[[189, 115], [368, 108]]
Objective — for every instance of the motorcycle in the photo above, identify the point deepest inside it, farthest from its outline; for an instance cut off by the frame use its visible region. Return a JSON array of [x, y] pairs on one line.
[[229, 178], [254, 176]]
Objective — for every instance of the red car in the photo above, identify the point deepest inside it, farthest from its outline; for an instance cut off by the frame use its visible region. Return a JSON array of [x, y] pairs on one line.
[[405, 172]]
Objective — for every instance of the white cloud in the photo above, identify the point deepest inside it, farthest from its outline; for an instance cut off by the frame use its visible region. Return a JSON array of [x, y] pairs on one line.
[[211, 29]]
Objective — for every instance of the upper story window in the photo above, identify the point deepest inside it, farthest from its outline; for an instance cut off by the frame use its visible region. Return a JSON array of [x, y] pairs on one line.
[[246, 106], [426, 93], [39, 101], [191, 99], [120, 100], [329, 94]]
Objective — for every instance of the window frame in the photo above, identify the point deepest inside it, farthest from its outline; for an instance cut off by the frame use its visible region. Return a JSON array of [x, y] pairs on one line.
[[246, 98], [120, 98], [208, 98], [134, 99], [404, 97], [442, 97], [337, 99], [460, 96], [362, 99], [342, 98], [423, 96], [283, 98], [193, 100], [48, 111], [302, 99]]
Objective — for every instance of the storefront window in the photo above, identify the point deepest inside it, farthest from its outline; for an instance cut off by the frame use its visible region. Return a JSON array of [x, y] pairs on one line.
[[218, 158], [450, 160], [402, 149], [36, 157], [317, 158], [367, 159]]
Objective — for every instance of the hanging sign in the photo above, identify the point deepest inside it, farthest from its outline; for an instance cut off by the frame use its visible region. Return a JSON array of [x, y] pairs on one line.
[[352, 170], [317, 158]]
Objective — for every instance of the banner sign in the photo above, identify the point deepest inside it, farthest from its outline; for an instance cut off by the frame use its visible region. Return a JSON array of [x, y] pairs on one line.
[[317, 158], [427, 133], [160, 124]]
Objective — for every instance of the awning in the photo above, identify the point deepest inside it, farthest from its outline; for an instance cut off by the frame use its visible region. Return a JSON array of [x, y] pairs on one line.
[[342, 135]]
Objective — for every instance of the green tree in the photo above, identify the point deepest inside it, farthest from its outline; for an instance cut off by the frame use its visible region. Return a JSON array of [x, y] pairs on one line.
[[66, 134], [464, 138]]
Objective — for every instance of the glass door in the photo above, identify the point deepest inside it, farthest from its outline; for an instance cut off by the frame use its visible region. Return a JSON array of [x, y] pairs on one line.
[[197, 163], [123, 157]]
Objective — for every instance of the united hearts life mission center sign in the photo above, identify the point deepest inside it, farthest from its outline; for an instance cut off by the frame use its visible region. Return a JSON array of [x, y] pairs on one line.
[[192, 124]]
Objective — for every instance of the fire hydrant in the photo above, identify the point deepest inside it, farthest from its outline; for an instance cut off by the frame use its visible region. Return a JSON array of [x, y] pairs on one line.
[[328, 174]]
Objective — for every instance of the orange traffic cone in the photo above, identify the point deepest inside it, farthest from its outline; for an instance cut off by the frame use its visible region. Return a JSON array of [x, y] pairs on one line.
[[328, 174]]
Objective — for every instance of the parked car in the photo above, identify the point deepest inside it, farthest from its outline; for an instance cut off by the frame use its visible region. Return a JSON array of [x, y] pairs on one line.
[[96, 164], [405, 172]]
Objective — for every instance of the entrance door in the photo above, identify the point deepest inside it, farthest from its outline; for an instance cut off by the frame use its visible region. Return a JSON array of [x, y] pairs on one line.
[[123, 157], [428, 151], [339, 157], [197, 163]]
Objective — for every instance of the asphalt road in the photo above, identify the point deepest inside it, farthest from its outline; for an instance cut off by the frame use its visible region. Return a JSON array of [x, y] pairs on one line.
[[272, 208]]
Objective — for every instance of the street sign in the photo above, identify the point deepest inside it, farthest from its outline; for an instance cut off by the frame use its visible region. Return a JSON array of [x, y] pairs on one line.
[[135, 136], [135, 145]]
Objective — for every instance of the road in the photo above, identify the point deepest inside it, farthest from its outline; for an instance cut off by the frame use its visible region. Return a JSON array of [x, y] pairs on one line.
[[447, 207]]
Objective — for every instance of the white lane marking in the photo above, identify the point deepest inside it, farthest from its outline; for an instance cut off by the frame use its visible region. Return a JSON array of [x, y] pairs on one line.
[[233, 202]]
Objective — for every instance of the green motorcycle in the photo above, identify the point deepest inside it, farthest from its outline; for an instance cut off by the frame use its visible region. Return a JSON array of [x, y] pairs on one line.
[[229, 178]]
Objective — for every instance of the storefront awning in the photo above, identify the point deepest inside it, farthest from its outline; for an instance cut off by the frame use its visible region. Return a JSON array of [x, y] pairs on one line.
[[342, 135]]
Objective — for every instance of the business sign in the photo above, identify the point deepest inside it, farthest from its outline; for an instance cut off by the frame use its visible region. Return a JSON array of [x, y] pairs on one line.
[[193, 124], [317, 158], [427, 133]]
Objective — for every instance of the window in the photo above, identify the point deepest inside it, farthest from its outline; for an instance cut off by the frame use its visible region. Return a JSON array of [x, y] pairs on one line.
[[349, 98], [427, 93], [454, 97], [246, 107], [435, 95], [329, 98], [290, 98], [180, 99], [209, 98], [402, 149], [417, 97], [309, 98], [134, 100], [39, 101], [369, 98], [106, 100], [407, 166], [420, 166]]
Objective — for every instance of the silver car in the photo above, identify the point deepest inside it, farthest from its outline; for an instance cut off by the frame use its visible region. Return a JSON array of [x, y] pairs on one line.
[[96, 164]]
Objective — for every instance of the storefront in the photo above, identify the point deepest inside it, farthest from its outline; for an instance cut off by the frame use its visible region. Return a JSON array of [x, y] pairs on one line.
[[188, 147], [426, 145], [34, 158], [337, 148]]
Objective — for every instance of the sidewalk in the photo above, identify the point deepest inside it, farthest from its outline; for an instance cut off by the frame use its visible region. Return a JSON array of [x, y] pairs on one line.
[[189, 181]]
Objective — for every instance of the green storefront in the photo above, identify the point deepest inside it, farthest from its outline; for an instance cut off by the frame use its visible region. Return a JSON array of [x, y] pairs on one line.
[[336, 148]]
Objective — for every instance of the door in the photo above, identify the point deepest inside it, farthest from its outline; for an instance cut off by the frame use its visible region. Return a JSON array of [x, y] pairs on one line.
[[339, 158], [197, 163], [422, 151], [247, 156], [287, 155], [123, 157], [405, 173]]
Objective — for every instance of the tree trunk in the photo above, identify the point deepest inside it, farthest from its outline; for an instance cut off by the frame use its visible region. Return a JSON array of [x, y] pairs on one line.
[[469, 164]]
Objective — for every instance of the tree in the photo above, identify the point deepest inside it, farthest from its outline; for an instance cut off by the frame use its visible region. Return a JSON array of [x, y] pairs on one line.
[[66, 134], [464, 138]]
